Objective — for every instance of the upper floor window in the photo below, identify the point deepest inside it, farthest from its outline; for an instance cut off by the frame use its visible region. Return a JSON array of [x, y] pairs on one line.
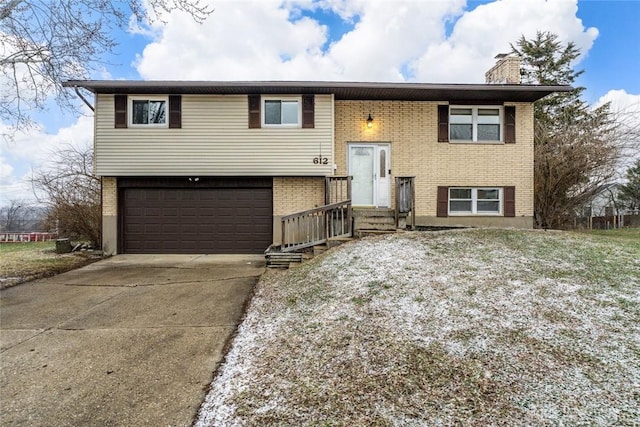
[[148, 111], [282, 112], [475, 123], [475, 201]]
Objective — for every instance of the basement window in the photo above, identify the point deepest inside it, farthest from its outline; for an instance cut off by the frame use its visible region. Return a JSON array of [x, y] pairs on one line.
[[475, 201]]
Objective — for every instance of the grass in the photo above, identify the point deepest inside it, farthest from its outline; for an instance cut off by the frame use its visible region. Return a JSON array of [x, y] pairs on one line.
[[21, 262], [474, 327], [631, 234]]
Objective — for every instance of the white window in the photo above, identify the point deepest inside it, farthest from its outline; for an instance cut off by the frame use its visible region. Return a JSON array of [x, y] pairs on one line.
[[475, 201], [281, 112], [146, 111], [476, 124]]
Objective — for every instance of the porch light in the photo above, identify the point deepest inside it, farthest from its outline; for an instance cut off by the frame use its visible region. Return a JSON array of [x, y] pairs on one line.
[[369, 121]]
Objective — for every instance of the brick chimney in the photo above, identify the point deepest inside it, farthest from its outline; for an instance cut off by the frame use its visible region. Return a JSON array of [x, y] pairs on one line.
[[506, 70]]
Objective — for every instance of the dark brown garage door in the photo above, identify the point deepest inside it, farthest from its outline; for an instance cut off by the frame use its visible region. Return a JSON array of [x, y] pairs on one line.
[[196, 220]]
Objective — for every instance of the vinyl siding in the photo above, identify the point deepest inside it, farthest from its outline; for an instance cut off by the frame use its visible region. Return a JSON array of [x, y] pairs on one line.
[[214, 141]]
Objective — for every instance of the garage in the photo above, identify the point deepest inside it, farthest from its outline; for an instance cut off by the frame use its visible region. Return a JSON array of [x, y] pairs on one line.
[[195, 215]]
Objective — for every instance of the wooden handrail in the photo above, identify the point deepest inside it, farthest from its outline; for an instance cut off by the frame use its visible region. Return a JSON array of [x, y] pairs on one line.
[[337, 189], [314, 226], [314, 210], [406, 198]]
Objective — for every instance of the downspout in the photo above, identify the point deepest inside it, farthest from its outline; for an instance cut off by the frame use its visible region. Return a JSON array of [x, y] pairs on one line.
[[84, 99]]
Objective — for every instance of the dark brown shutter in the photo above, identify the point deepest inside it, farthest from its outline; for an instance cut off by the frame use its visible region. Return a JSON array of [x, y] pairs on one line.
[[509, 125], [443, 123], [308, 111], [509, 201], [175, 111], [120, 104], [254, 111], [443, 202]]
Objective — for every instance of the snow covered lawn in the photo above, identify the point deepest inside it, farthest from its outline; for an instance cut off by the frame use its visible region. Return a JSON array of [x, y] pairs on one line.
[[470, 327]]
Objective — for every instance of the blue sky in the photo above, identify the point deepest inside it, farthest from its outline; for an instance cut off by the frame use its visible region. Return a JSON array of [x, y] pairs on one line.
[[612, 63], [376, 40], [614, 60]]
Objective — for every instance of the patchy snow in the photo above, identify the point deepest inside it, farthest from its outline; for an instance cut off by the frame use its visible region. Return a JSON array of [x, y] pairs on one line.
[[470, 327]]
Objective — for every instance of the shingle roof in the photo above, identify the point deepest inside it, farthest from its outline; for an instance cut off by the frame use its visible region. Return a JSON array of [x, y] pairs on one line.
[[341, 90]]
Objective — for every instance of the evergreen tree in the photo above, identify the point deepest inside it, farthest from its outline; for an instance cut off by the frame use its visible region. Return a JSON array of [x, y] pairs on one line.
[[575, 151], [629, 193]]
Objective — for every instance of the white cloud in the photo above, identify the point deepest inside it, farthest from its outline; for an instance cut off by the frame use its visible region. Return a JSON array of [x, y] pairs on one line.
[[392, 40], [30, 150], [626, 109], [622, 102], [489, 29]]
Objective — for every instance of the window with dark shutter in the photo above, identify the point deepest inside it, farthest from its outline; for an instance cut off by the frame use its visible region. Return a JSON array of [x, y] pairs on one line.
[[509, 201], [443, 202], [175, 111], [443, 123], [254, 111], [509, 125], [308, 111], [120, 110]]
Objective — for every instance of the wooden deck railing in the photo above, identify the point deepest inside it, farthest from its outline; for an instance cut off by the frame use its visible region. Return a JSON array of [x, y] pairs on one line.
[[406, 198], [315, 226], [337, 189]]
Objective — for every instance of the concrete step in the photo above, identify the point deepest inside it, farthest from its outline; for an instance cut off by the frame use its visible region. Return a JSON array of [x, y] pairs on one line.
[[365, 233], [373, 212], [374, 220], [367, 225]]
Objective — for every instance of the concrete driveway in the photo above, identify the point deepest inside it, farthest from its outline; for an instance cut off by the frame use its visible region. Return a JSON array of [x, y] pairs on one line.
[[128, 341]]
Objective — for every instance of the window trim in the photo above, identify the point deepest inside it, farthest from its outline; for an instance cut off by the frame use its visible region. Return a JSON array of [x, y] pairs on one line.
[[474, 124], [474, 202], [263, 111], [130, 100]]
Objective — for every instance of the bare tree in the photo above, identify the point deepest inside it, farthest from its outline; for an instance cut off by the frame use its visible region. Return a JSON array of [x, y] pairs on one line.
[[578, 149], [16, 215], [44, 42], [572, 166], [72, 193]]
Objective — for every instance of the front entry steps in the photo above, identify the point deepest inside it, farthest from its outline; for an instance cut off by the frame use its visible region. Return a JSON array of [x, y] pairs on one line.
[[277, 259], [366, 222], [372, 221], [331, 243]]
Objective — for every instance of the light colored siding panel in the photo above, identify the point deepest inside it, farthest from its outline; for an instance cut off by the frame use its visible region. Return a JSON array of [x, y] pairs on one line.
[[214, 140]]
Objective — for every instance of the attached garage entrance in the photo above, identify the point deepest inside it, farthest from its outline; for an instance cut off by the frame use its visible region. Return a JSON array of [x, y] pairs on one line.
[[207, 216]]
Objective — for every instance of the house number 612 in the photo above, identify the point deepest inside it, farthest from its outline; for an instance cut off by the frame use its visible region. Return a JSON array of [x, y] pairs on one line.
[[320, 160]]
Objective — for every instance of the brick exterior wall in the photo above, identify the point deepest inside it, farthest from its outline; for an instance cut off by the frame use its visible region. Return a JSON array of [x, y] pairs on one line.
[[411, 129], [109, 196], [506, 70], [109, 215], [295, 194]]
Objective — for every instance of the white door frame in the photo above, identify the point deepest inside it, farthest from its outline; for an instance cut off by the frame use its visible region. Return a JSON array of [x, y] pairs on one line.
[[381, 184]]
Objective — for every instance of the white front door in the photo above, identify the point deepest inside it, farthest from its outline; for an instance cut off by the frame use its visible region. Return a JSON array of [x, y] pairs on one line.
[[369, 166]]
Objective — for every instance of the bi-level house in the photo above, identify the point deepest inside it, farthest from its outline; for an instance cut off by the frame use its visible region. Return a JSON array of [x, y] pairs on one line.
[[222, 167]]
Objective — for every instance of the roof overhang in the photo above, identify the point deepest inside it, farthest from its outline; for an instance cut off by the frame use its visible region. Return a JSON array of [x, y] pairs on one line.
[[341, 90]]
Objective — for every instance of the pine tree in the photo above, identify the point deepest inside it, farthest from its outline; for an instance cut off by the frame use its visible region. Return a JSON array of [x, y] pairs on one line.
[[575, 152], [629, 193]]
